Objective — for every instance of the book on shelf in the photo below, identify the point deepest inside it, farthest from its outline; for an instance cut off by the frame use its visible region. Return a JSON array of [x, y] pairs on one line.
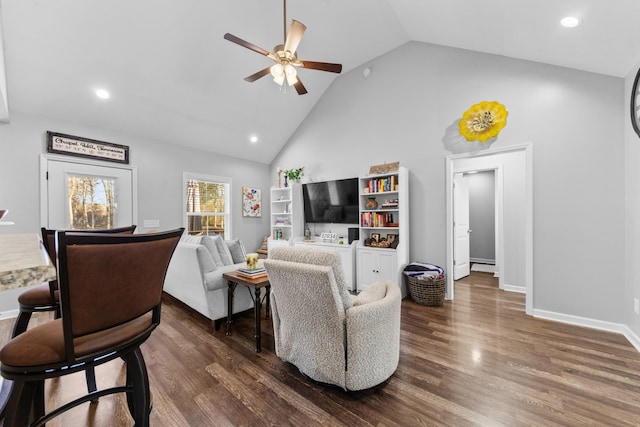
[[382, 185], [375, 219]]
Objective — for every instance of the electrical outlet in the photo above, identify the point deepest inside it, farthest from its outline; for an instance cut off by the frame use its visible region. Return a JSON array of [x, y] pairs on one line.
[[151, 223], [636, 305]]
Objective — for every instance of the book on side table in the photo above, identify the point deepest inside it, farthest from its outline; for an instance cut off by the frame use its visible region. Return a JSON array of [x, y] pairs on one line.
[[258, 273]]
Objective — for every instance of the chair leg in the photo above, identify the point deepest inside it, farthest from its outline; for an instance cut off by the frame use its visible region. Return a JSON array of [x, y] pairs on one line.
[[20, 407], [21, 323], [90, 374], [139, 399]]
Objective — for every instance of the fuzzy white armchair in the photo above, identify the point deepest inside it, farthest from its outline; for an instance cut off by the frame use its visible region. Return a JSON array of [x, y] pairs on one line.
[[329, 335]]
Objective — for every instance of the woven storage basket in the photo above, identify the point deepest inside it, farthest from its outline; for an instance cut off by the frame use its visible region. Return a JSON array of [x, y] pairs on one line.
[[426, 292]]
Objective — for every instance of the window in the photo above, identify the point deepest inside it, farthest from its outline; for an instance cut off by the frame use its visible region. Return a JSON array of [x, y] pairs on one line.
[[207, 206], [91, 202]]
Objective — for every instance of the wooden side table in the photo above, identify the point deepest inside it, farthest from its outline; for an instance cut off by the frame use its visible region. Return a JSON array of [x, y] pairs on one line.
[[234, 279]]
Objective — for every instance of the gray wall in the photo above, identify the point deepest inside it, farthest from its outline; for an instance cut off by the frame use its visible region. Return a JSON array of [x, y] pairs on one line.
[[632, 219], [573, 119], [160, 168], [482, 219]]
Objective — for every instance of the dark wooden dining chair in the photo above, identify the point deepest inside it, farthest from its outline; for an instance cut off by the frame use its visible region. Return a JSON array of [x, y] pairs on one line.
[[43, 297], [110, 288]]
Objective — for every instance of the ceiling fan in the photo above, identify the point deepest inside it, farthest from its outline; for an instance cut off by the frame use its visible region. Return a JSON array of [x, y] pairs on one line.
[[285, 57]]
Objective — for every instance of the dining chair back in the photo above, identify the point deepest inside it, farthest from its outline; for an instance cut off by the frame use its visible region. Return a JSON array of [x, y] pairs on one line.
[[110, 288]]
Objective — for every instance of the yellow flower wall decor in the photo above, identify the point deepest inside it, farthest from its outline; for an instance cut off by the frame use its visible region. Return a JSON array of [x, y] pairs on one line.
[[483, 121]]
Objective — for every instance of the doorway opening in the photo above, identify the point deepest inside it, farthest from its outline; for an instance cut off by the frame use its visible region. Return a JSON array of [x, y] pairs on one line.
[[513, 216], [475, 223]]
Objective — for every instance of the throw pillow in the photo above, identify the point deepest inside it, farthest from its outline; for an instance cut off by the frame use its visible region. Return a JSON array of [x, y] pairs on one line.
[[211, 246], [204, 260], [375, 292], [194, 240], [236, 248], [223, 250]]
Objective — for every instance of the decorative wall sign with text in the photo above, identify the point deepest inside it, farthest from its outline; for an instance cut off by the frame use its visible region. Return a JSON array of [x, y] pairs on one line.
[[83, 147]]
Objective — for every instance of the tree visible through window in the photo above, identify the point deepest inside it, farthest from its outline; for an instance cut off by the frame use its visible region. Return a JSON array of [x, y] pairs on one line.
[[92, 203], [207, 207]]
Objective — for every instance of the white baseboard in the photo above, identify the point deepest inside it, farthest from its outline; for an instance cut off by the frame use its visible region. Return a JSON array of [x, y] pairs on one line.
[[510, 288], [591, 323], [9, 314], [483, 260]]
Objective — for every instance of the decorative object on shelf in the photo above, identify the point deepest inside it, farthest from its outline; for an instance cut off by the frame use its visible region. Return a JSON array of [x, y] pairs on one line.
[[483, 121], [328, 237], [70, 145], [372, 203], [293, 174], [307, 234], [3, 212], [252, 261], [279, 174], [251, 202], [384, 168]]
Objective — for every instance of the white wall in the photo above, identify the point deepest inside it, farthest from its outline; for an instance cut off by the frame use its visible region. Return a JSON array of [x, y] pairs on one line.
[[160, 168], [415, 95]]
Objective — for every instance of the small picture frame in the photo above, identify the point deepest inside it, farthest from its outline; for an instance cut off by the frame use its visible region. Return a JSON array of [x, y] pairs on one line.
[[391, 237], [375, 237]]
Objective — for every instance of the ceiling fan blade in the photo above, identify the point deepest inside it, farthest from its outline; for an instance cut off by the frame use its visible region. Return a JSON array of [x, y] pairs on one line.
[[294, 36], [300, 87], [246, 44], [253, 77], [322, 66]]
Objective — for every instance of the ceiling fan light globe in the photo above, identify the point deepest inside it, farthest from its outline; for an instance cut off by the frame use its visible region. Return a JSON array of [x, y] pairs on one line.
[[277, 71]]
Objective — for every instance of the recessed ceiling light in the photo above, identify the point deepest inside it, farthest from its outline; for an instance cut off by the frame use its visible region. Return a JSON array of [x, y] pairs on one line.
[[253, 139], [102, 94], [570, 22]]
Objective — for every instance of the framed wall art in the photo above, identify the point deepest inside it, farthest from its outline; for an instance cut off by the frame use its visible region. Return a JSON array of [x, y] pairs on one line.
[[251, 202]]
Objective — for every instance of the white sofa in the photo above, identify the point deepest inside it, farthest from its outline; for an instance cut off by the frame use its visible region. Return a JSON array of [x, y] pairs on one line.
[[195, 275]]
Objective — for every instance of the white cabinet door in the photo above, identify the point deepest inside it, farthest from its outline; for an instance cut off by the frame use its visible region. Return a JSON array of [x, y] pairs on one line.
[[376, 265]]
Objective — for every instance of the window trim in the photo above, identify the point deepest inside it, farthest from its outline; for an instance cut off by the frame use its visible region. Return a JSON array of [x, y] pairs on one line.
[[186, 176]]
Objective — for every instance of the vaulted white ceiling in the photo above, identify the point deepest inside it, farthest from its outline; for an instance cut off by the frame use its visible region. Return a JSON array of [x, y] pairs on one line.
[[172, 76]]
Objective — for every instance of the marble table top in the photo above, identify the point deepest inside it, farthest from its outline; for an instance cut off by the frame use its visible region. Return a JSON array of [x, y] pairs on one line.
[[23, 261]]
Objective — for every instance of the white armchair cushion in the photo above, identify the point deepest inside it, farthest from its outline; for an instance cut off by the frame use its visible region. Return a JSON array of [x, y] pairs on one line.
[[315, 257], [375, 292]]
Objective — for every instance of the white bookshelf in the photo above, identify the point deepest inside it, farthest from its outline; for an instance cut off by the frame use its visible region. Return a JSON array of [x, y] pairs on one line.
[[389, 218], [286, 215]]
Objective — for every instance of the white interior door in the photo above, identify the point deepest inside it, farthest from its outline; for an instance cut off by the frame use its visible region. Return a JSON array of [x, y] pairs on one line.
[[461, 267], [86, 196]]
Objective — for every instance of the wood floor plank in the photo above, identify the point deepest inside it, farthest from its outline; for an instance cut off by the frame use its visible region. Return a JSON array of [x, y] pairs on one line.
[[478, 361]]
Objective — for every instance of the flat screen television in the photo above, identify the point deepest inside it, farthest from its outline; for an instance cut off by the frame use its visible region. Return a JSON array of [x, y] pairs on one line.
[[331, 201]]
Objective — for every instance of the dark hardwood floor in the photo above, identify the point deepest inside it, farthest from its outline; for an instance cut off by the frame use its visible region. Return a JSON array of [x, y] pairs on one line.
[[479, 361]]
